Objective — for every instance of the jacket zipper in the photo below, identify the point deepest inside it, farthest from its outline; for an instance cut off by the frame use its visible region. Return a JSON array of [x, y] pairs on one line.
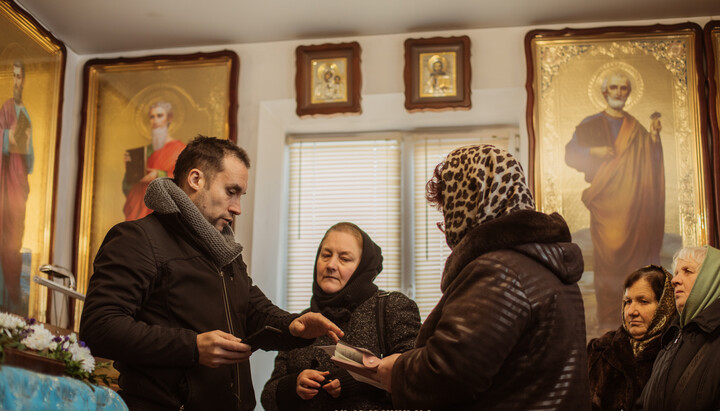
[[228, 318]]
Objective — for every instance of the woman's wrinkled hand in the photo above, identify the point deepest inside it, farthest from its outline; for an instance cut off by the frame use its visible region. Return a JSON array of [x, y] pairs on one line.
[[385, 371], [333, 388], [308, 383]]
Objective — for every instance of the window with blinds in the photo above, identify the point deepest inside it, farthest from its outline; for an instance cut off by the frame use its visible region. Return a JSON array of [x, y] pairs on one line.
[[431, 250], [359, 179], [332, 181]]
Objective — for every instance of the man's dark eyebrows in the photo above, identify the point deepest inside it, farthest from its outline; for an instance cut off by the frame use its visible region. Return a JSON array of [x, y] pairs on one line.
[[236, 187]]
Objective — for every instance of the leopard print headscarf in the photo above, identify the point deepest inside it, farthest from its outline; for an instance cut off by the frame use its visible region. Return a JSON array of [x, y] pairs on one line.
[[480, 183]]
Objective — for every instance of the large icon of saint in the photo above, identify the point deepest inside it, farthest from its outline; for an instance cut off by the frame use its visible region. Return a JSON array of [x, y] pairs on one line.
[[16, 164], [623, 162]]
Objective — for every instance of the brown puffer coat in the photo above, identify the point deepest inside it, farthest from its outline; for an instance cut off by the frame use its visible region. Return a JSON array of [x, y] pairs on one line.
[[617, 377], [509, 330]]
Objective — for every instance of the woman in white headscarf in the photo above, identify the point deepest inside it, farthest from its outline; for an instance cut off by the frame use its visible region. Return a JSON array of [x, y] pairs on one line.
[[509, 330]]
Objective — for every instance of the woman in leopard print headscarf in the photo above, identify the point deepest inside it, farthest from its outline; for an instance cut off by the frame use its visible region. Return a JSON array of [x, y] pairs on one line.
[[509, 330], [476, 184]]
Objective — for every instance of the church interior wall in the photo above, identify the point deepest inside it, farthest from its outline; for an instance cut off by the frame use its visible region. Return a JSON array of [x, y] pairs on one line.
[[266, 101]]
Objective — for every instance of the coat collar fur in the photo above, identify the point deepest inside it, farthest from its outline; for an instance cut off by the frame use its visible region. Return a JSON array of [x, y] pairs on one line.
[[545, 238]]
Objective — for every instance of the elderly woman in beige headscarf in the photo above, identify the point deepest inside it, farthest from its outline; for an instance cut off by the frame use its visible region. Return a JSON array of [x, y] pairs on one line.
[[509, 330]]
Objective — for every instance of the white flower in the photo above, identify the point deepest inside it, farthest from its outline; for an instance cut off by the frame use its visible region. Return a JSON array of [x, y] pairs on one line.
[[11, 322], [82, 355], [36, 337], [39, 339]]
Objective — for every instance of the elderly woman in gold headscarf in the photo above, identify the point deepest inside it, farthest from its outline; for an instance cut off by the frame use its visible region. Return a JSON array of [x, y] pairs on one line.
[[620, 362]]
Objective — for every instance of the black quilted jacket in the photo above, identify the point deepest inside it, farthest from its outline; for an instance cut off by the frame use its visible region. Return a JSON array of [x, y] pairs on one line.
[[701, 388], [154, 288], [509, 330]]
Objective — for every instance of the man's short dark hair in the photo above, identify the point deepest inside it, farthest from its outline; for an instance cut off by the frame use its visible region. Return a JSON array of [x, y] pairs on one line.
[[206, 154]]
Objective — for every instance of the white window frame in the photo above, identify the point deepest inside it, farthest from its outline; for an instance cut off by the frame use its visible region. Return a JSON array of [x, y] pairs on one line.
[[504, 136]]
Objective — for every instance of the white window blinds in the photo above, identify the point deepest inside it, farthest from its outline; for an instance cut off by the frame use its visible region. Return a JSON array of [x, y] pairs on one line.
[[358, 179], [431, 251], [333, 181]]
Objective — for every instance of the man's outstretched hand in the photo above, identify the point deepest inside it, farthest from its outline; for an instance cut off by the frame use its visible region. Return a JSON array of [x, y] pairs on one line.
[[313, 325]]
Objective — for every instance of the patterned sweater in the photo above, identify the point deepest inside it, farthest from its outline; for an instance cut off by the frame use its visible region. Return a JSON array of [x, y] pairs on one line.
[[402, 322]]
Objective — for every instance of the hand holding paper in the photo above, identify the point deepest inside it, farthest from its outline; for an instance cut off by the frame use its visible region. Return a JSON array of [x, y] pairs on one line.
[[360, 363]]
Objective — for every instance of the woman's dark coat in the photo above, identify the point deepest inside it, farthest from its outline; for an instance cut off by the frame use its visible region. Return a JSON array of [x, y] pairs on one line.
[[617, 377], [509, 330], [667, 388]]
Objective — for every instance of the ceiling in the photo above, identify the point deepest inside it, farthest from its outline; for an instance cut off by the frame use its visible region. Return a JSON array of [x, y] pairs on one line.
[[110, 26]]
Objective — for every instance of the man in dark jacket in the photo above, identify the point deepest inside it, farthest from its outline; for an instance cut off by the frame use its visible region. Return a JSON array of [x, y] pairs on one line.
[[170, 299]]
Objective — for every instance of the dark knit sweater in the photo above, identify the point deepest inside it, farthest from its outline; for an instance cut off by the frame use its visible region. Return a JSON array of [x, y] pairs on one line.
[[402, 322]]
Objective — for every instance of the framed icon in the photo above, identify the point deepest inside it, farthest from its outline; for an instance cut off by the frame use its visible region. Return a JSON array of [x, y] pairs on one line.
[[138, 115], [437, 73], [32, 73], [712, 53], [618, 145], [328, 79]]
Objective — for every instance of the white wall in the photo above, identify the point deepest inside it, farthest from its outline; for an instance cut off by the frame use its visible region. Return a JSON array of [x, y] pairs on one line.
[[266, 90], [267, 113], [267, 86]]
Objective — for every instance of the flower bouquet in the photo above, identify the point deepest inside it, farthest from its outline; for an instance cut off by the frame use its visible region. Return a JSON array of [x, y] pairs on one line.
[[28, 342]]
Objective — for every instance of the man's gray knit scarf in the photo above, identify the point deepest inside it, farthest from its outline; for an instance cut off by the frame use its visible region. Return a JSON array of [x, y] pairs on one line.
[[164, 197]]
